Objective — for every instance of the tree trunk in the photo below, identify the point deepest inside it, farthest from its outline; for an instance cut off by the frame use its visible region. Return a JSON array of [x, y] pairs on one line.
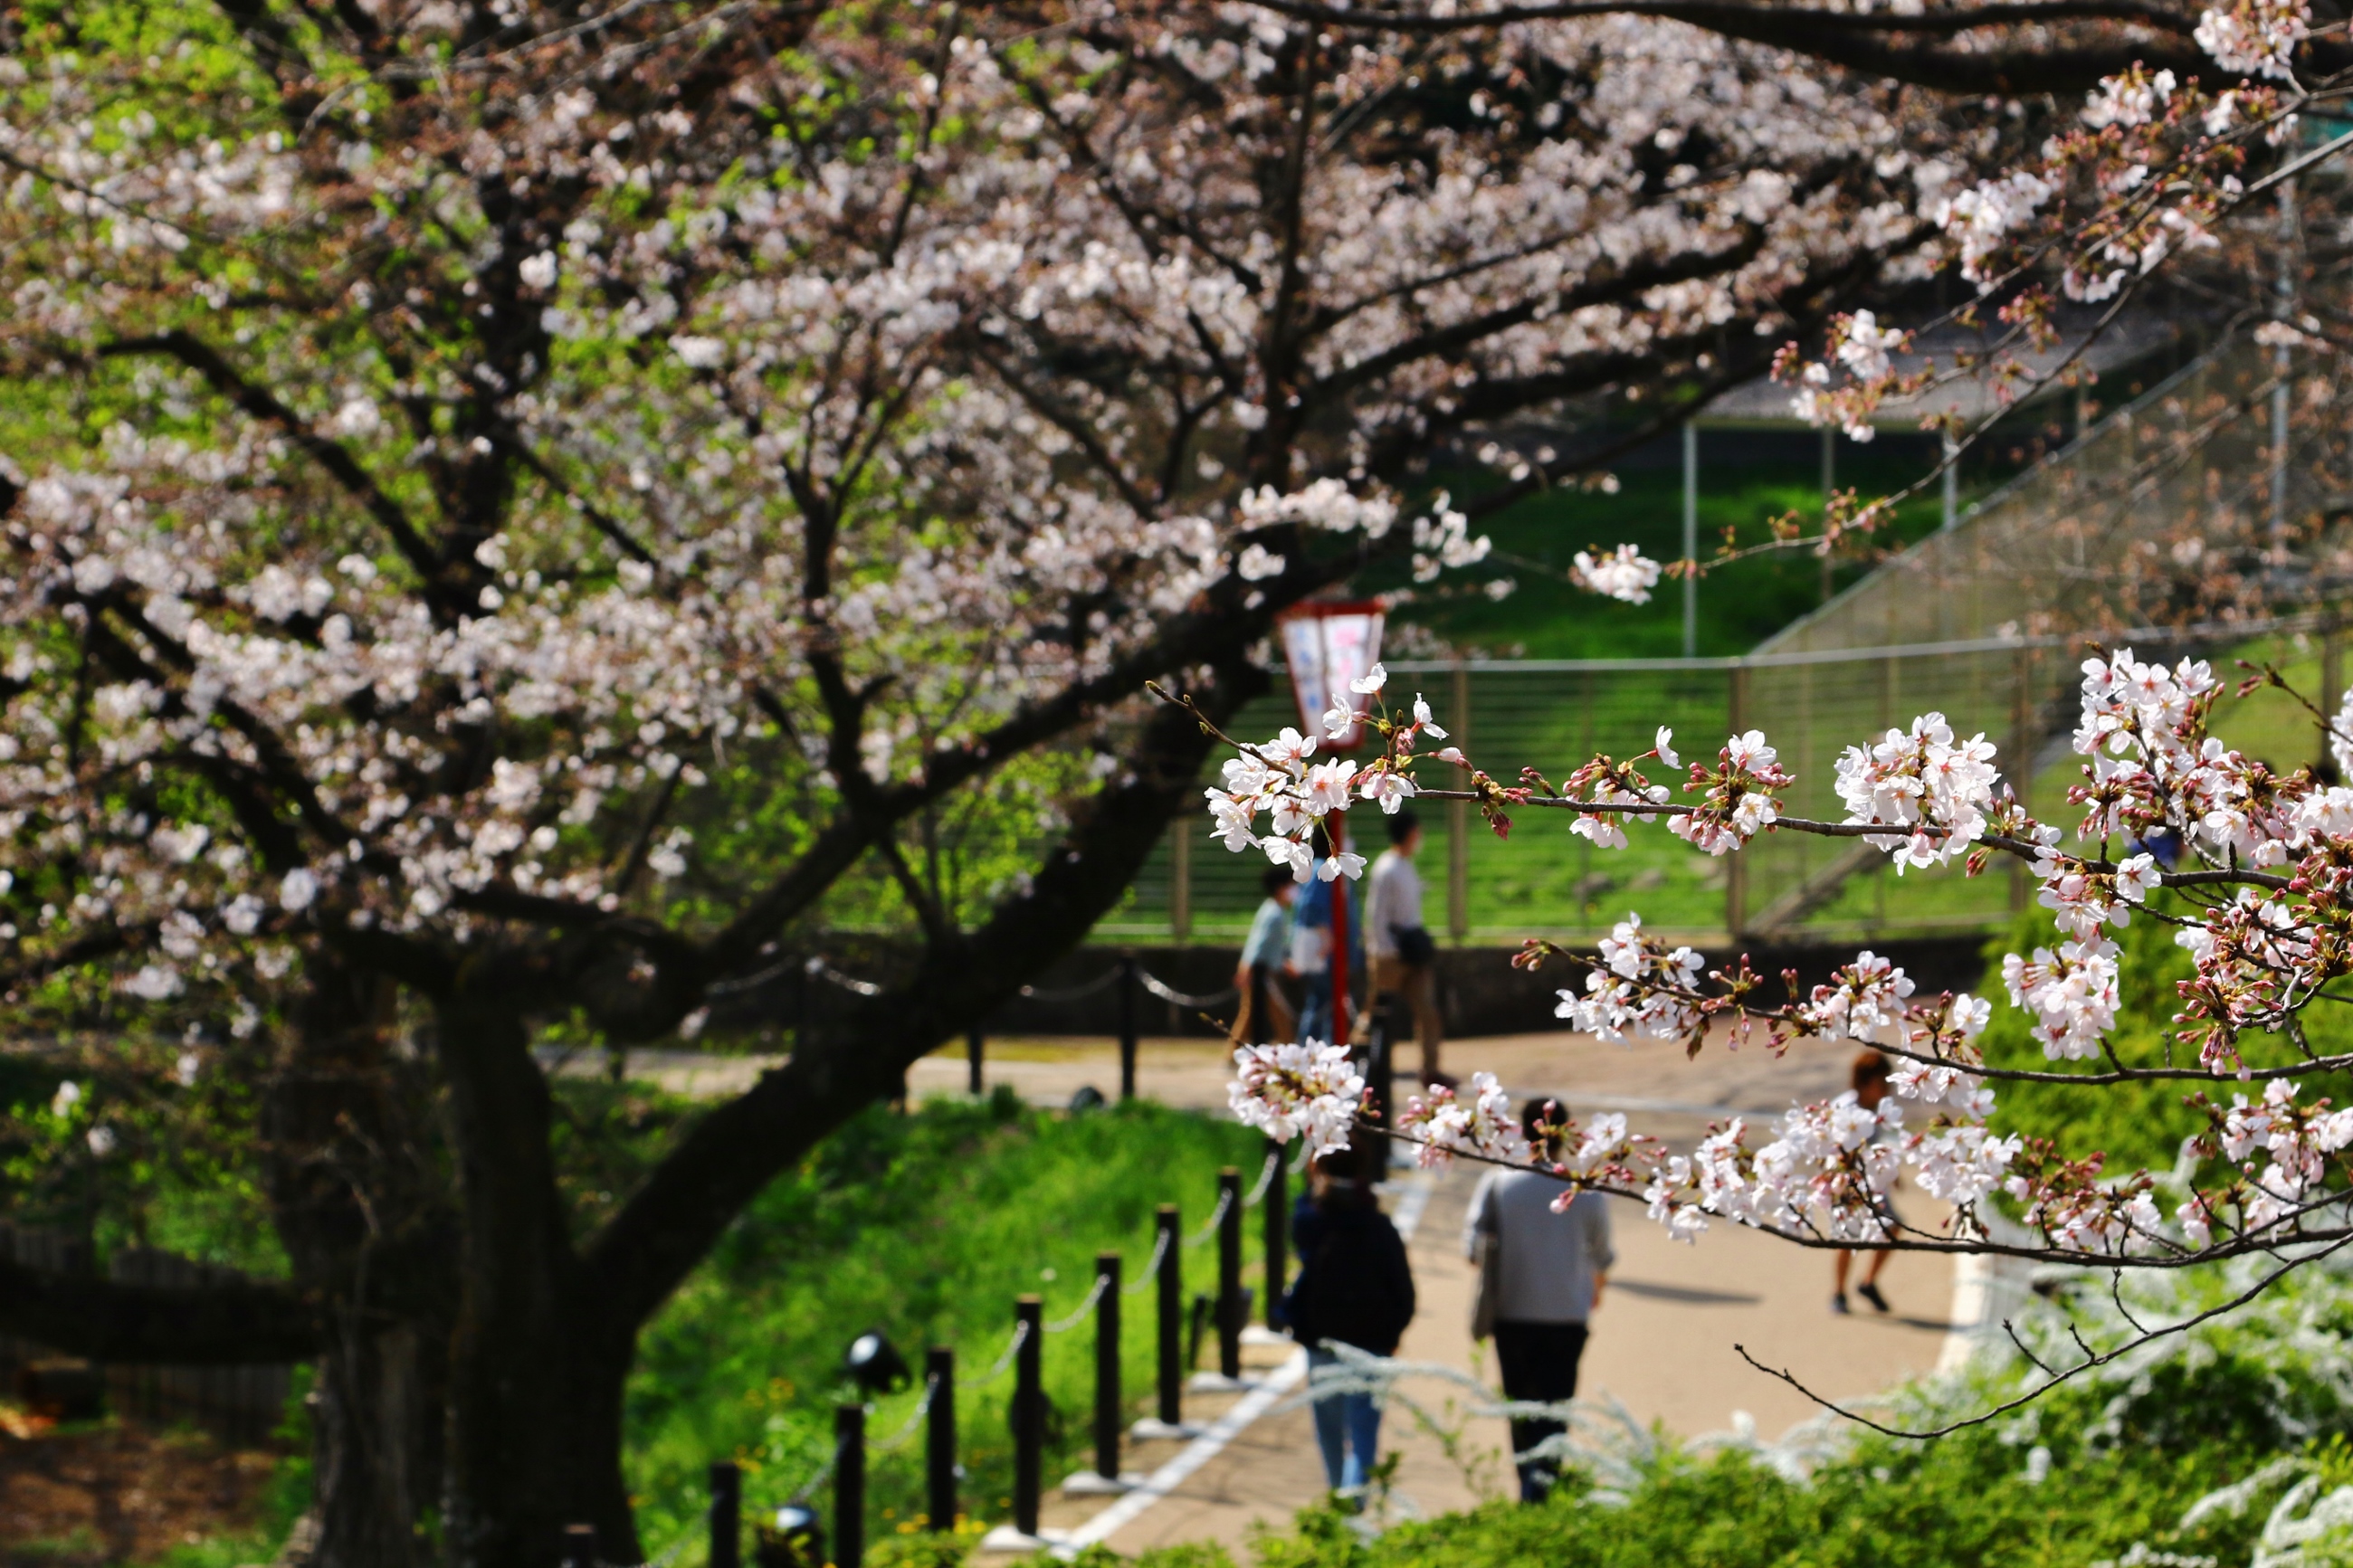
[[349, 1170], [536, 1368]]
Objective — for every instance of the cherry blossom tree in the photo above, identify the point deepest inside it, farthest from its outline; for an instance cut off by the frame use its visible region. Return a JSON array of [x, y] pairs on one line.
[[519, 516]]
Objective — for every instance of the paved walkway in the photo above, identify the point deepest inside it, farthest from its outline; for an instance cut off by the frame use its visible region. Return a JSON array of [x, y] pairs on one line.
[[1662, 1343]]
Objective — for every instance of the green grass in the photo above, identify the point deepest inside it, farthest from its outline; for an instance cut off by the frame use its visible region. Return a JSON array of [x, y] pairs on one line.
[[1739, 605], [2088, 1474], [925, 1227]]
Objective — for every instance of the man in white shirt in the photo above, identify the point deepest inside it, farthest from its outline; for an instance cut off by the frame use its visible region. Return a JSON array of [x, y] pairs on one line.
[[1404, 955]]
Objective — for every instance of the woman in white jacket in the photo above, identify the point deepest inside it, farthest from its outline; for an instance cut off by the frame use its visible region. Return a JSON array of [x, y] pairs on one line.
[[1543, 1274]]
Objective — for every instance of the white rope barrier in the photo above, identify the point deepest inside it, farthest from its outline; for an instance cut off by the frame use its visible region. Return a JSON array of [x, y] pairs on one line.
[[1152, 1270], [1225, 1201], [1265, 1180], [1085, 1308]]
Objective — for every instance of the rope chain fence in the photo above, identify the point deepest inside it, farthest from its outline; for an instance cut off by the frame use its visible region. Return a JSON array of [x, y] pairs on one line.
[[898, 1439], [1004, 1362], [1208, 1231], [1071, 992], [1086, 1308], [1151, 1271], [1169, 993], [1266, 1178]]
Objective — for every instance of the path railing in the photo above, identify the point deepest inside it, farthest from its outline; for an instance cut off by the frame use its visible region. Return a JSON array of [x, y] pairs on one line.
[[788, 1529]]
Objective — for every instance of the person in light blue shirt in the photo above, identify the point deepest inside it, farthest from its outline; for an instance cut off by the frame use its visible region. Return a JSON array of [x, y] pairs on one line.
[[1263, 1016]]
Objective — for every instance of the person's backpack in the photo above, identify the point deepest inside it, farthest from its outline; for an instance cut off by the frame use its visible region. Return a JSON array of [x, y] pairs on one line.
[[1348, 1291]]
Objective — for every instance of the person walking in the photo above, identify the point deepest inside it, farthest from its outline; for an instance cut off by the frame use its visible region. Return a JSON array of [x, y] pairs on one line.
[[1541, 1278], [1868, 1078], [1264, 1016], [1310, 944], [1354, 1287], [1405, 956]]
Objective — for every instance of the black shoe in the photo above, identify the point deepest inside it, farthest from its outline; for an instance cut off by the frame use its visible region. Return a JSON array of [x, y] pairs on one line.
[[1838, 1304], [1870, 1292]]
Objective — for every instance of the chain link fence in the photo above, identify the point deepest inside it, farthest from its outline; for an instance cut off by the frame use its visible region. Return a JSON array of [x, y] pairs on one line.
[[1986, 622]]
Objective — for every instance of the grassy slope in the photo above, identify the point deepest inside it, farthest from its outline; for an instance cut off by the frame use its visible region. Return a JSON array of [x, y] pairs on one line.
[[1739, 605], [927, 1227]]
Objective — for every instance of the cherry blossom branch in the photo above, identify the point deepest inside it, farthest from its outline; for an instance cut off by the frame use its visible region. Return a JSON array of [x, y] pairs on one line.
[[2093, 1359]]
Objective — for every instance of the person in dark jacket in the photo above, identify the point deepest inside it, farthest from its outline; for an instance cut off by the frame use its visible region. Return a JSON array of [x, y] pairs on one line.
[[1354, 1287]]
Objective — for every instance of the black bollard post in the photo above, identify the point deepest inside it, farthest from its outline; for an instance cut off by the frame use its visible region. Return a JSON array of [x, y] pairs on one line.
[[579, 1546], [973, 1051], [1131, 1002], [1230, 1273], [1028, 1416], [1278, 1233], [1171, 1247], [1107, 1366], [1380, 1076], [726, 1516], [940, 1439], [849, 1485]]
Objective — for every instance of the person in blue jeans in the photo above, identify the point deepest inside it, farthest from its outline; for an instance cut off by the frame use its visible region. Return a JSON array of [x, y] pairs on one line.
[[1354, 1287], [1311, 946]]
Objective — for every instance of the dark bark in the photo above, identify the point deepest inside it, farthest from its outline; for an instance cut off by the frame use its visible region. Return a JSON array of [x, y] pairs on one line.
[[863, 1053], [1915, 49], [350, 1171], [537, 1367], [211, 1325]]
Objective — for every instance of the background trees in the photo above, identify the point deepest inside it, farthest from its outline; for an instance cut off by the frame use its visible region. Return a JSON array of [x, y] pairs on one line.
[[517, 517]]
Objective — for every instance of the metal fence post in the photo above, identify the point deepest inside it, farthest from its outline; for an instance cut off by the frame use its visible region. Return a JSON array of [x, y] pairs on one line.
[[1277, 1235], [1107, 1365], [940, 1439], [2024, 743], [579, 1546], [1028, 1415], [1736, 865], [1230, 1273], [726, 1516], [1458, 818], [2332, 678], [975, 1047], [1170, 1244], [1181, 880], [1131, 1003], [849, 1485]]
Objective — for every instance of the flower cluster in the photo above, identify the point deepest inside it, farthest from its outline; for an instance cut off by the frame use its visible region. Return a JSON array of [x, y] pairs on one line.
[[1740, 795], [1644, 989], [2071, 994], [2298, 1141], [2083, 898], [1278, 780], [1445, 1125], [1309, 1092], [1863, 1001], [1625, 574], [1937, 788]]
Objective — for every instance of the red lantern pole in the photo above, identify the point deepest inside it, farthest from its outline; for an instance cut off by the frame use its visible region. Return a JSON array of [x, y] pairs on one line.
[[1327, 645]]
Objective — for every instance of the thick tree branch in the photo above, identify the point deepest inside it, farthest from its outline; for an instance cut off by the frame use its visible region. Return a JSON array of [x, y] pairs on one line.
[[262, 404], [667, 1227], [219, 1325], [1861, 41]]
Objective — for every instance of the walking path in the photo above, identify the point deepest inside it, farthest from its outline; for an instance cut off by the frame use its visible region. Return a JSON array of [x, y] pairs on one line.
[[1662, 1343]]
